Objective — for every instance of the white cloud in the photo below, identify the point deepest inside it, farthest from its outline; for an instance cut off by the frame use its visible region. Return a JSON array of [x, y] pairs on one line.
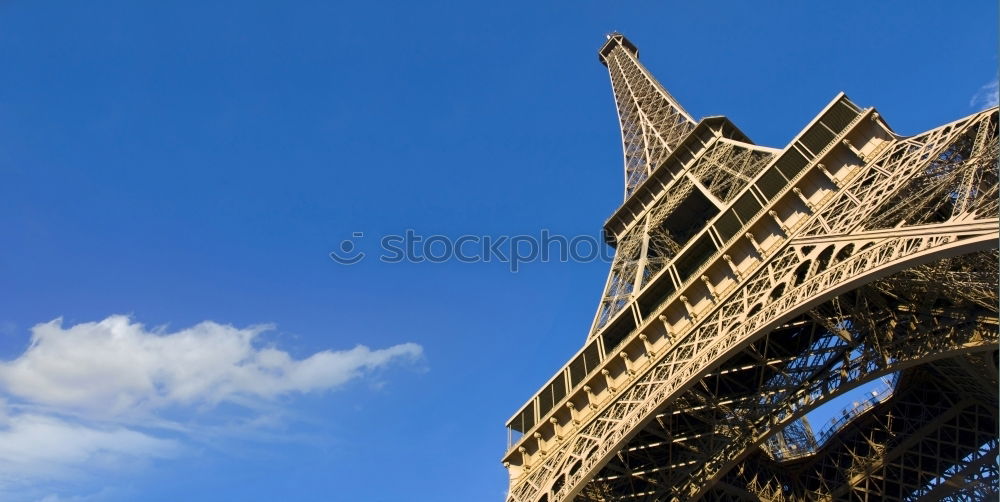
[[76, 397], [987, 96], [37, 448], [116, 367]]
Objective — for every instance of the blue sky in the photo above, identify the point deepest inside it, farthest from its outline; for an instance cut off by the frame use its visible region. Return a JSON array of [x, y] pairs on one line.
[[174, 175]]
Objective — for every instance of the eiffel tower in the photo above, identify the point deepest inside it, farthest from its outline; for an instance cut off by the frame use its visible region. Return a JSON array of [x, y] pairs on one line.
[[752, 285]]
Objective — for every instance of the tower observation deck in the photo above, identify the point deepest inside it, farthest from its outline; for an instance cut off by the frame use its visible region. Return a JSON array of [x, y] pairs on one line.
[[752, 285]]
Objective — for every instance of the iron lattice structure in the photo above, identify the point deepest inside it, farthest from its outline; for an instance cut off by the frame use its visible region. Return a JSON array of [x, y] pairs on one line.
[[752, 285]]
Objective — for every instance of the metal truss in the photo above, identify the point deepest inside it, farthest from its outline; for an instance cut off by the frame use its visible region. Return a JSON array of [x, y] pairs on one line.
[[724, 168], [873, 256], [652, 122], [932, 440], [737, 417]]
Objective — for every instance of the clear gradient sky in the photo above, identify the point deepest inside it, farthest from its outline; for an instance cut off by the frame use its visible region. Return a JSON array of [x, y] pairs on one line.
[[174, 174]]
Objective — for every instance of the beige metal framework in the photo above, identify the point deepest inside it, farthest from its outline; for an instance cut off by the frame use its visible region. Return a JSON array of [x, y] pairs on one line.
[[752, 285]]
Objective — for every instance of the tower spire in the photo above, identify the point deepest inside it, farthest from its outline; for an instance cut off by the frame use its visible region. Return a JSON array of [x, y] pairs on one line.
[[653, 123]]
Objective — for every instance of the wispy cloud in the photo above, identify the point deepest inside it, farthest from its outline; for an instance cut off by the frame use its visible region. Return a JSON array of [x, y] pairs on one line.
[[90, 398], [987, 96], [37, 447]]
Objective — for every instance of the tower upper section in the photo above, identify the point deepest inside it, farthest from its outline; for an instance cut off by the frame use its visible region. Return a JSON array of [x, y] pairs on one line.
[[653, 123]]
